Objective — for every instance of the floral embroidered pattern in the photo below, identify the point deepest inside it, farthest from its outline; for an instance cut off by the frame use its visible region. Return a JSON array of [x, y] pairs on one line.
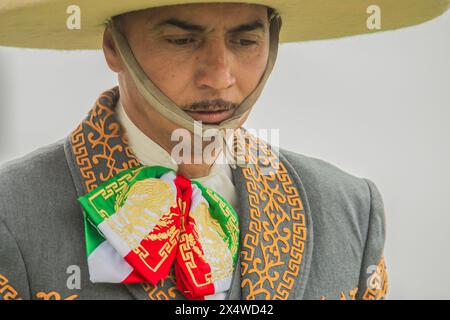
[[99, 145], [276, 234]]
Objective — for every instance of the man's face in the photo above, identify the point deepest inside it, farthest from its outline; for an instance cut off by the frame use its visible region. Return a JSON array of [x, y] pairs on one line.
[[202, 56]]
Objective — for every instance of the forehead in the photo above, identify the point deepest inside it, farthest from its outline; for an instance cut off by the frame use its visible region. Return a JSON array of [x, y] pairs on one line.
[[204, 14]]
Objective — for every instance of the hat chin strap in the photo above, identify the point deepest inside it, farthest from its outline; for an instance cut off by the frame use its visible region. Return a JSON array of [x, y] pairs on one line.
[[169, 109]]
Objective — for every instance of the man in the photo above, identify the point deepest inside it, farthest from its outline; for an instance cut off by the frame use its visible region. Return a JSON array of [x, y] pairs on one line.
[[114, 212]]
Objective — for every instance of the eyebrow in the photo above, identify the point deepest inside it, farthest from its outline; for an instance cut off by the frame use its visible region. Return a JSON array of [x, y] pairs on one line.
[[255, 25]]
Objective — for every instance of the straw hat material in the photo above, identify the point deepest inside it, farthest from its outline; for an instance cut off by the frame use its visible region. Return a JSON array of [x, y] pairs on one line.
[[42, 23]]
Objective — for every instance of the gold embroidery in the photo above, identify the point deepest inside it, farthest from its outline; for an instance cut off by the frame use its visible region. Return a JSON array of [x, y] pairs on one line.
[[133, 224], [118, 187], [342, 296], [351, 294], [378, 283], [105, 137], [216, 250], [7, 291], [232, 223], [278, 245], [157, 293], [163, 235], [156, 195], [186, 246], [164, 252], [53, 295], [376, 288]]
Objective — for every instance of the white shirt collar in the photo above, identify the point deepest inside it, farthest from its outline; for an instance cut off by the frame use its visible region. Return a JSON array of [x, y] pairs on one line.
[[148, 152]]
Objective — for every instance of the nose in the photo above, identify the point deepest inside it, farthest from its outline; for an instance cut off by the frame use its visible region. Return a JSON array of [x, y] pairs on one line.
[[215, 67]]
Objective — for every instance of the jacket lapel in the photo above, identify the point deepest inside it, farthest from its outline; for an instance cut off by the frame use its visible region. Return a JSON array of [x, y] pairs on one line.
[[276, 227]]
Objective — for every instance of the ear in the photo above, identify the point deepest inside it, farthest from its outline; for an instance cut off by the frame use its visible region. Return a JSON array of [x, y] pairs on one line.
[[109, 50]]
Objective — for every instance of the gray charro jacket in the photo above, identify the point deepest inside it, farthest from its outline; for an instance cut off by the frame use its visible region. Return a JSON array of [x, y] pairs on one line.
[[310, 231]]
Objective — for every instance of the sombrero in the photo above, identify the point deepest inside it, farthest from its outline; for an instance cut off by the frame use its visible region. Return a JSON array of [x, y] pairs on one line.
[[42, 23]]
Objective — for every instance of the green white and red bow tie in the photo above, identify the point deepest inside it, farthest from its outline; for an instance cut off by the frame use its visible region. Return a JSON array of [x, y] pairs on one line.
[[147, 219]]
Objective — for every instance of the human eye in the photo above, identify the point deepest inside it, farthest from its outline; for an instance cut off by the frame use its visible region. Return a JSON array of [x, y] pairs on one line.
[[244, 42], [181, 41]]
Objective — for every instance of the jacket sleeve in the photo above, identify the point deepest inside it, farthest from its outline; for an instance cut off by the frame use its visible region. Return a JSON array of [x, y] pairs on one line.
[[13, 275], [373, 279]]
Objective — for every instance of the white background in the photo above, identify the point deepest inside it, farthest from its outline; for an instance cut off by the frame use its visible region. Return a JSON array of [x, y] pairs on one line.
[[377, 106]]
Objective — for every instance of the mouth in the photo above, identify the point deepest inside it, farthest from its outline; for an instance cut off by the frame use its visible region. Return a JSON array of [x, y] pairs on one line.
[[213, 116]]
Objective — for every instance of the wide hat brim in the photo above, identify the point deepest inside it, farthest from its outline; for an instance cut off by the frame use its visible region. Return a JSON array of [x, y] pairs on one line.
[[42, 23]]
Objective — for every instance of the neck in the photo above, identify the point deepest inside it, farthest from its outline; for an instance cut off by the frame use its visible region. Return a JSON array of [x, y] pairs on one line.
[[192, 171], [160, 132]]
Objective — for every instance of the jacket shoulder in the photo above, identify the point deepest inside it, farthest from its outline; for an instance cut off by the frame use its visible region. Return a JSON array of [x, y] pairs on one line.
[[349, 218], [40, 164], [324, 175], [337, 195], [36, 181]]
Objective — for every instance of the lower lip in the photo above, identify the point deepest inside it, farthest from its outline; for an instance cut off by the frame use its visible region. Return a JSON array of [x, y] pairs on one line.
[[211, 117]]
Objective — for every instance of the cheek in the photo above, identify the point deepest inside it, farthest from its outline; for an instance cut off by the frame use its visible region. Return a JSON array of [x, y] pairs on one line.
[[250, 72], [167, 71], [168, 74]]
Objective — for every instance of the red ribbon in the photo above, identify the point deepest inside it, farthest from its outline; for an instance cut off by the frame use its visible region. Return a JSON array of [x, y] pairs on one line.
[[157, 252]]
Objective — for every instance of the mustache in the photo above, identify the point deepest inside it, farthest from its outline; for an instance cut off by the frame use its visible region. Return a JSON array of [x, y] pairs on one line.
[[211, 105]]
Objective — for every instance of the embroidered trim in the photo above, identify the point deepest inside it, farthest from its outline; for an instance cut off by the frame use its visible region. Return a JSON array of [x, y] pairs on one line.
[[342, 296], [53, 295], [7, 291], [352, 294], [377, 284], [278, 245], [103, 144]]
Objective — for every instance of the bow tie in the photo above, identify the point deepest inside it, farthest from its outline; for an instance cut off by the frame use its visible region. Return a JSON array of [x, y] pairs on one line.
[[148, 219]]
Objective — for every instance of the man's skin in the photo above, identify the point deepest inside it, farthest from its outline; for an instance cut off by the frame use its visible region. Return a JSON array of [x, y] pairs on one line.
[[192, 67]]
